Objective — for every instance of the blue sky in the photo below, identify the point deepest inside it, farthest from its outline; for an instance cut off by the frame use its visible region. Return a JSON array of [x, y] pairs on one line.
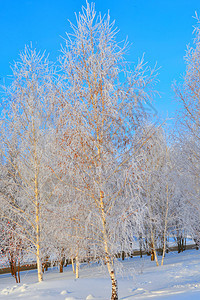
[[159, 28]]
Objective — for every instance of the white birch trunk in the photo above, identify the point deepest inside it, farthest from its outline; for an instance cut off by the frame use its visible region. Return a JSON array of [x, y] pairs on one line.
[[77, 267], [109, 264], [73, 269], [153, 247], [165, 228], [37, 213]]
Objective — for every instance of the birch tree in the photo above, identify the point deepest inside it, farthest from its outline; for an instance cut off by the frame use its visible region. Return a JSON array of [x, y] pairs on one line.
[[186, 200], [188, 95], [101, 106], [28, 123], [157, 189]]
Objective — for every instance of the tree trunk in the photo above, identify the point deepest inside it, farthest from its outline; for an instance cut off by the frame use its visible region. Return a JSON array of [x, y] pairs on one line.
[[77, 267], [13, 267], [37, 211], [62, 260], [61, 267], [45, 264], [153, 253], [19, 272], [114, 295], [140, 242], [153, 249], [179, 244], [39, 263], [182, 245], [165, 228], [73, 265], [163, 254], [66, 263]]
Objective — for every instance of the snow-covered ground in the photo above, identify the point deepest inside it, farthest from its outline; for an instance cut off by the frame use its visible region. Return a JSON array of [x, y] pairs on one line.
[[179, 278]]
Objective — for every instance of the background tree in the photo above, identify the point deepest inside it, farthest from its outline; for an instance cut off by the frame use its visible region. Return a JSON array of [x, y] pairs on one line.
[[28, 124], [188, 137]]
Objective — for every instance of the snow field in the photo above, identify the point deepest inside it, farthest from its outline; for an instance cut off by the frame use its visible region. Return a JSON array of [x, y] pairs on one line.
[[179, 278]]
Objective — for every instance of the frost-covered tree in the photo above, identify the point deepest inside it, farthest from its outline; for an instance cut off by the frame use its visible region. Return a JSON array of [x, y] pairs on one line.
[[25, 139], [156, 186], [188, 94], [11, 242], [186, 201], [101, 106]]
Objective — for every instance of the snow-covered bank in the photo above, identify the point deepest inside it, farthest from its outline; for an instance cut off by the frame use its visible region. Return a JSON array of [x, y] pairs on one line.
[[178, 279]]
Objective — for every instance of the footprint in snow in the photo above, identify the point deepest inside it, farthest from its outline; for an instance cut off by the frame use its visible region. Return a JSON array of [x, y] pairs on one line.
[[90, 297], [8, 290], [63, 292], [5, 291], [137, 291], [23, 288]]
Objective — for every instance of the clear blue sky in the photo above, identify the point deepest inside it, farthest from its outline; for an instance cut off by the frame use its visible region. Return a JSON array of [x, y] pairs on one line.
[[159, 28]]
